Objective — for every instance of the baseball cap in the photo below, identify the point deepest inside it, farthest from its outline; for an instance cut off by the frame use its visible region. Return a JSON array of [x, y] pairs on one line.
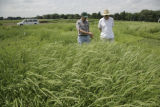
[[84, 14]]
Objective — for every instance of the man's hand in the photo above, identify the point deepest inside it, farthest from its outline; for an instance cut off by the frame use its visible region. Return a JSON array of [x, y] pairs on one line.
[[90, 34]]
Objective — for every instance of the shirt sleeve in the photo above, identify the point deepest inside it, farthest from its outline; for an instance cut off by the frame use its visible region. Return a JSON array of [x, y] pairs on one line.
[[77, 25]]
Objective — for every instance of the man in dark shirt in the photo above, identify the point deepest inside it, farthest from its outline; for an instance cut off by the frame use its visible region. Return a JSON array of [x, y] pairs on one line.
[[82, 25]]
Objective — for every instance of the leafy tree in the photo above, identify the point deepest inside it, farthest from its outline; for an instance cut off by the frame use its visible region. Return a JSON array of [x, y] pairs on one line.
[[1, 18], [39, 17]]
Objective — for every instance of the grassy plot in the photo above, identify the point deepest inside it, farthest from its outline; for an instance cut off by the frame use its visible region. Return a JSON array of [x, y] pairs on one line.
[[42, 65]]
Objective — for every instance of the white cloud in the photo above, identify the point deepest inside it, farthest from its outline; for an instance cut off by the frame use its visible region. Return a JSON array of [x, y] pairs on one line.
[[40, 7]]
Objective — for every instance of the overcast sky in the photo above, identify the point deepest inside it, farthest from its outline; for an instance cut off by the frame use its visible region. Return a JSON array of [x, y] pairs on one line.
[[28, 8]]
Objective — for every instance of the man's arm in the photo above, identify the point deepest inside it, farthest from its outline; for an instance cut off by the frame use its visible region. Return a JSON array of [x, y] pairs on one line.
[[87, 33]]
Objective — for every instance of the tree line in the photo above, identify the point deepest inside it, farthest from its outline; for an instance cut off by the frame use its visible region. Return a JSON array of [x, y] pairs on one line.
[[144, 15]]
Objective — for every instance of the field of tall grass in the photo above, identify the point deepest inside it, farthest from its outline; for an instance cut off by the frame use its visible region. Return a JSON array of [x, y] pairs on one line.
[[43, 66]]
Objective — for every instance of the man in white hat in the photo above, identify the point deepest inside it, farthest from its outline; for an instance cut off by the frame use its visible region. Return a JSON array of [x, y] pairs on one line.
[[105, 26]]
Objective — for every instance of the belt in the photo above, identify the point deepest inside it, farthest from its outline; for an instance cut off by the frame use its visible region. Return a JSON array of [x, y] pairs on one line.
[[83, 35]]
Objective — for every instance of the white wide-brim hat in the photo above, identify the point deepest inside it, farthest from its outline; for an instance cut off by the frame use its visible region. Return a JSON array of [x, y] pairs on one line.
[[106, 12]]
